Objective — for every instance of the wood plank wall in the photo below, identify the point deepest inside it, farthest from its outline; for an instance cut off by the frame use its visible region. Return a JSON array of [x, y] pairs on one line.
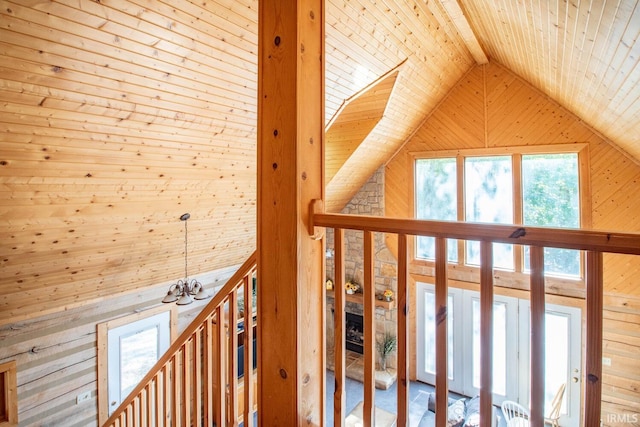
[[492, 107], [118, 117], [56, 355]]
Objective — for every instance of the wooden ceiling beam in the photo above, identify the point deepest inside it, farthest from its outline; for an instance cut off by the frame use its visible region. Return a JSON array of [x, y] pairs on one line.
[[456, 14]]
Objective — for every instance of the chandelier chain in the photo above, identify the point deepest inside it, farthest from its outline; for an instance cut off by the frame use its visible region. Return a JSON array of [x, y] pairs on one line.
[[181, 291], [186, 275]]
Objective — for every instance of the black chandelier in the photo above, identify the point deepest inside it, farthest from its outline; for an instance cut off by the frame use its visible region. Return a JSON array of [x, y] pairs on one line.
[[182, 290]]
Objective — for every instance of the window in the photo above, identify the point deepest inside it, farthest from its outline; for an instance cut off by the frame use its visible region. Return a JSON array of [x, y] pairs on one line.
[[436, 190], [128, 349], [488, 191], [551, 197], [536, 187]]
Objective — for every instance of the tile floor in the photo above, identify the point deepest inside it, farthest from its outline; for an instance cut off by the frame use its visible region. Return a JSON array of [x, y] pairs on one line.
[[419, 392], [419, 416], [385, 399]]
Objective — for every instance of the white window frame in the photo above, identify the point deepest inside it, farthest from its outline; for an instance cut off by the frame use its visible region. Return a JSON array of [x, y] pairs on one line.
[[108, 350]]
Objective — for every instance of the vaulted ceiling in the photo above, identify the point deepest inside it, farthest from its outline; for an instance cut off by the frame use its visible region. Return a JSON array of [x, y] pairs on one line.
[[118, 116], [583, 54]]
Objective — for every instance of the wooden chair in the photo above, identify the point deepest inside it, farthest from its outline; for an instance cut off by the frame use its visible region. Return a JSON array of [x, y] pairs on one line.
[[512, 410], [556, 404]]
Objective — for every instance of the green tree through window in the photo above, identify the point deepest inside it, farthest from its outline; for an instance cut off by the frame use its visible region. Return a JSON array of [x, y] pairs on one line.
[[550, 198]]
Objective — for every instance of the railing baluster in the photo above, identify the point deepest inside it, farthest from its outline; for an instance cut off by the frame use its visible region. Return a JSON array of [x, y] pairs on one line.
[[175, 391], [442, 339], [129, 414], [208, 373], [146, 406], [248, 352], [537, 335], [486, 332], [158, 398], [221, 384], [136, 411], [197, 379], [339, 395], [186, 383], [593, 358], [402, 301], [232, 365], [166, 394], [369, 300]]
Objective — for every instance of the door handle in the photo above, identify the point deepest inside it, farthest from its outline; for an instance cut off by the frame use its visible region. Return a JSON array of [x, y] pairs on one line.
[[574, 379]]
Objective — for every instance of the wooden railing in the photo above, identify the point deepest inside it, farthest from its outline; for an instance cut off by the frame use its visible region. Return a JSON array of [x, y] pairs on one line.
[[184, 388], [595, 243], [195, 383]]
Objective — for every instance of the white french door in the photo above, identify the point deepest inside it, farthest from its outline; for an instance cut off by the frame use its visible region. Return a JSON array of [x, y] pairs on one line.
[[511, 361], [563, 359], [505, 346]]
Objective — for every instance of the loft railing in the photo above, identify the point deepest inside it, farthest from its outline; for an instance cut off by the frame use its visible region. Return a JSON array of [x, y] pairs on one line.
[[196, 381], [595, 243], [184, 386]]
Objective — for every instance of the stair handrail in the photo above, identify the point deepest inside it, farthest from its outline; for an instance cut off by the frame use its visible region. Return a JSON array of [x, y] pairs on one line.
[[235, 282]]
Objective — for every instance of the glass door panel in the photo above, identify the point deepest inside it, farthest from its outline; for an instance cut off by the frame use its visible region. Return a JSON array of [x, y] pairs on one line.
[[138, 354], [499, 347], [505, 346], [556, 357], [133, 349], [563, 340], [426, 336]]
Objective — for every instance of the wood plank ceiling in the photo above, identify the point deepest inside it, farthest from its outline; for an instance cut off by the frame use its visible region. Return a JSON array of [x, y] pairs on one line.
[[585, 54], [354, 120], [120, 115]]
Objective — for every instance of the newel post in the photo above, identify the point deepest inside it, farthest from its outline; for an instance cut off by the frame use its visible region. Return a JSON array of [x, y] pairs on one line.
[[291, 304]]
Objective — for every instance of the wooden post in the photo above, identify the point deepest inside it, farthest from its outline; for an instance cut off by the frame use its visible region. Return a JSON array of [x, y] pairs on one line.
[[593, 357], [402, 299], [537, 335], [339, 345], [291, 292], [369, 302], [442, 337], [486, 332]]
